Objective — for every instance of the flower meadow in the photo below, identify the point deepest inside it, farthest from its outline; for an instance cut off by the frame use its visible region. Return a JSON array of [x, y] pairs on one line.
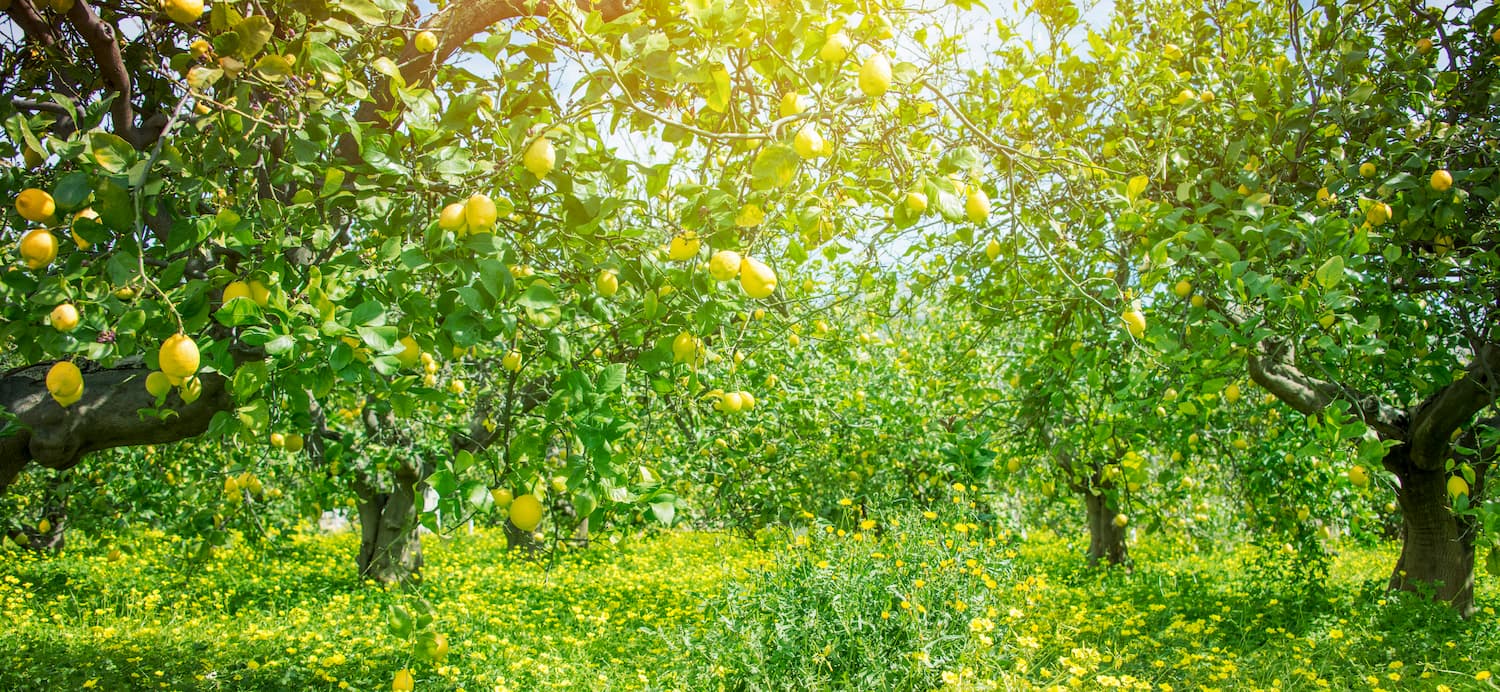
[[912, 600]]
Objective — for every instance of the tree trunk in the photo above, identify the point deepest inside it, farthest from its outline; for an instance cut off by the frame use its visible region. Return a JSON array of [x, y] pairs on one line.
[[1106, 541], [390, 549], [54, 512], [1437, 548]]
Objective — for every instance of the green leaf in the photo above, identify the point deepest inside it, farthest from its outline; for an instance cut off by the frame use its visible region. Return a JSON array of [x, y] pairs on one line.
[[1331, 273], [716, 92], [238, 313], [72, 191], [112, 153], [274, 67], [665, 512], [400, 621], [443, 482], [538, 296], [254, 32], [611, 378], [774, 167]]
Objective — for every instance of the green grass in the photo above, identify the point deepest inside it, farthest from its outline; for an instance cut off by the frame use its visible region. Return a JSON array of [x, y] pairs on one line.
[[904, 602]]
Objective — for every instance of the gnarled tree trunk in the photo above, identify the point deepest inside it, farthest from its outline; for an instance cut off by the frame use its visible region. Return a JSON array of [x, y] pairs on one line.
[[1437, 547], [390, 549]]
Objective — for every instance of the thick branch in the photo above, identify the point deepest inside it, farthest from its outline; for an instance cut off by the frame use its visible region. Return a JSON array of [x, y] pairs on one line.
[[1451, 407], [100, 38], [1273, 366], [105, 417], [26, 16]]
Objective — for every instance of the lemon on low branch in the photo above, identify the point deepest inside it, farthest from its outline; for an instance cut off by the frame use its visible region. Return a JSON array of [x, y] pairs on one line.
[[65, 383], [758, 279], [724, 265], [178, 357], [35, 205]]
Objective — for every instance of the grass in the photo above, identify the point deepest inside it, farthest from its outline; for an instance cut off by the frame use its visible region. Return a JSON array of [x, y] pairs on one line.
[[909, 601]]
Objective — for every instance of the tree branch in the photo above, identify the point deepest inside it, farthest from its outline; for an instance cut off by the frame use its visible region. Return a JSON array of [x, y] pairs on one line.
[[1451, 407], [1273, 366], [100, 38], [25, 15], [104, 418]]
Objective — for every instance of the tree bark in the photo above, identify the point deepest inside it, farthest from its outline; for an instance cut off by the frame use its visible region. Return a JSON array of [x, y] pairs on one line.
[[1437, 547], [390, 549], [1106, 541]]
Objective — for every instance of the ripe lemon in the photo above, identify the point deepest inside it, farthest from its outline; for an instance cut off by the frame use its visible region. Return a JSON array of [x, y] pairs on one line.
[[526, 512], [65, 382], [1379, 213], [191, 389], [183, 11], [452, 218], [758, 280], [294, 442], [916, 202], [730, 403], [607, 283], [1367, 169], [684, 348], [724, 265], [835, 48], [260, 293], [79, 240], [1232, 393], [480, 212], [178, 357], [1441, 180], [157, 384], [64, 317], [791, 104], [410, 353], [747, 400], [1121, 520], [1135, 322], [992, 249], [875, 76], [1424, 46], [278, 440], [403, 682], [1359, 476], [683, 247], [425, 42], [808, 143], [236, 289], [977, 205], [35, 205], [38, 248], [540, 157], [502, 497], [1183, 288], [512, 361]]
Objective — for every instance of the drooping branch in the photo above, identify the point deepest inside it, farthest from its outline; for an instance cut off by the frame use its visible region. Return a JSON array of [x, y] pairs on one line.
[[1451, 407], [1273, 366], [106, 417]]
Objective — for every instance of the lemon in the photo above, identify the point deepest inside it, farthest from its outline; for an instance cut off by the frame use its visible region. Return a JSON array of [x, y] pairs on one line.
[[1121, 520], [200, 49], [1135, 322], [502, 497], [540, 157], [157, 384], [724, 265], [808, 143], [747, 400], [992, 250], [410, 353], [1232, 393], [44, 526], [835, 47], [916, 202], [875, 76], [260, 293], [512, 361], [684, 348], [403, 682], [792, 104], [35, 205], [183, 11], [1424, 46], [191, 389], [178, 356], [38, 248], [65, 383], [78, 239], [730, 403], [64, 317], [294, 442], [452, 218], [1367, 169], [1359, 476], [1183, 288], [480, 212], [457, 386], [526, 512], [278, 440], [425, 42], [758, 280], [1378, 214], [683, 247], [977, 205], [607, 283], [1441, 180], [236, 289]]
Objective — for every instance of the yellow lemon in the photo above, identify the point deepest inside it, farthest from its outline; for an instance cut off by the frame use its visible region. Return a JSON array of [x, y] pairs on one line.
[[1183, 288], [65, 383], [191, 389], [480, 212], [977, 205], [35, 205], [1359, 476], [758, 279], [293, 442], [683, 247], [808, 143], [260, 293], [540, 157], [1367, 169], [526, 512], [82, 215], [992, 249], [1135, 322], [791, 104], [157, 384], [875, 76], [724, 265], [410, 353], [1121, 520], [38, 248], [64, 317], [453, 217], [1378, 214], [916, 202], [236, 289], [183, 11], [511, 361], [835, 48], [425, 42], [685, 348], [178, 356], [1441, 180], [403, 681], [607, 283]]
